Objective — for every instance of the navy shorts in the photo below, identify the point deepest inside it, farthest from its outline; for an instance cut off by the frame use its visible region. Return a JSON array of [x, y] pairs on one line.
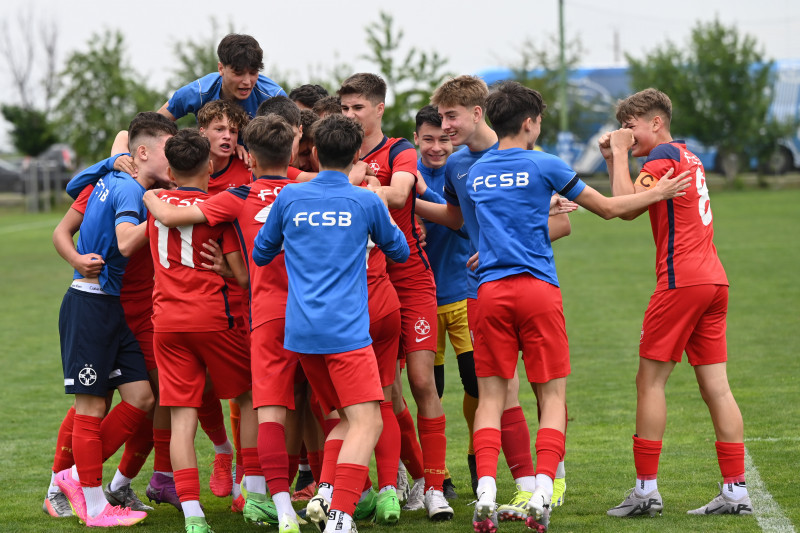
[[98, 349]]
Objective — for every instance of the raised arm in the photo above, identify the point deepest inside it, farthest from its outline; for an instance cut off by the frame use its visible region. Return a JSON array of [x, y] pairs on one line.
[[170, 215]]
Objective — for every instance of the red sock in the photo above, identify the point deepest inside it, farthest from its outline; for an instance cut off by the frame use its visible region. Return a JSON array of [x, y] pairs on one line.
[[161, 458], [410, 451], [315, 463], [252, 466], [549, 451], [118, 426], [387, 451], [88, 450], [293, 465], [63, 458], [730, 456], [211, 419], [137, 449], [645, 456], [187, 484], [332, 449], [487, 449], [368, 483], [433, 442], [347, 487], [516, 440], [272, 456]]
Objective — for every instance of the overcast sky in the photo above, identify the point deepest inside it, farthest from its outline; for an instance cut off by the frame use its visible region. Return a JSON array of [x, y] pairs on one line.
[[303, 36]]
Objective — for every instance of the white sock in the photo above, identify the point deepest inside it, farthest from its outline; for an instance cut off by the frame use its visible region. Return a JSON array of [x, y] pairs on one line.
[[646, 486], [487, 486], [257, 484], [192, 508], [339, 521], [119, 481], [546, 482], [364, 494], [168, 474], [734, 491], [303, 467], [326, 491], [95, 500], [283, 504], [237, 489], [387, 487], [526, 483], [224, 448], [75, 473], [560, 472], [53, 488]]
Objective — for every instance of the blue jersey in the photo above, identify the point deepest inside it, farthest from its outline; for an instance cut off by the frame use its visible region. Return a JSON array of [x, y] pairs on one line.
[[448, 250], [455, 192], [116, 198], [190, 98], [323, 226], [511, 190]]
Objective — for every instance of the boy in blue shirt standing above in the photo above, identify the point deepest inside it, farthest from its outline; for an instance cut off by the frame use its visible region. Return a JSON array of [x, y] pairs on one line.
[[324, 226], [238, 79], [520, 306]]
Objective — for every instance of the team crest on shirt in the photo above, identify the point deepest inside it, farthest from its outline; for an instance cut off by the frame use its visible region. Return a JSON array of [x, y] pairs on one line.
[[87, 376], [422, 327], [375, 167]]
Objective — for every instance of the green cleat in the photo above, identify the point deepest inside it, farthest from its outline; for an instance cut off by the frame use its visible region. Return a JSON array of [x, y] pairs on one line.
[[559, 490], [516, 509], [387, 510], [366, 507], [288, 524], [259, 509], [197, 524]]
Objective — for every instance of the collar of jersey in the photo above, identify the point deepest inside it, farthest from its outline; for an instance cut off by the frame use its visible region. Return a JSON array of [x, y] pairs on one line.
[[190, 189], [272, 177]]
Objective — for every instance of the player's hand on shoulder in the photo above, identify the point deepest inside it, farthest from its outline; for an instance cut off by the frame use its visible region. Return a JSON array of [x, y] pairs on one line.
[[241, 153], [124, 163], [670, 187]]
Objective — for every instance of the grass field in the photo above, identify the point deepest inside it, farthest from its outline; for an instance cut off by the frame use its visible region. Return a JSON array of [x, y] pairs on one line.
[[606, 273]]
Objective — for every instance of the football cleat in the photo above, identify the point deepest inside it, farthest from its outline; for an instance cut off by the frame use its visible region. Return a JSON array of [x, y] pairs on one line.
[[125, 497], [517, 508], [114, 515], [221, 480], [56, 505], [161, 489], [724, 504], [436, 505], [387, 510], [635, 505]]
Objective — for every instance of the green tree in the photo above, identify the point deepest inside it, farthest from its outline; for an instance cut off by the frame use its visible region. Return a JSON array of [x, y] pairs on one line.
[[719, 87], [32, 133], [410, 78], [101, 95]]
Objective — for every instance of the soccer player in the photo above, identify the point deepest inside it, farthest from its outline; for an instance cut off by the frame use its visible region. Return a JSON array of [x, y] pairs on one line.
[[688, 309], [448, 252], [98, 349], [520, 309], [195, 332], [329, 105], [237, 79], [324, 226], [394, 162], [305, 96], [270, 140]]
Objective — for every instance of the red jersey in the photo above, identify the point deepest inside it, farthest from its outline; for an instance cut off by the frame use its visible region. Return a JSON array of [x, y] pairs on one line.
[[235, 174], [398, 155], [137, 280], [682, 227], [292, 173], [382, 296], [186, 296], [247, 208]]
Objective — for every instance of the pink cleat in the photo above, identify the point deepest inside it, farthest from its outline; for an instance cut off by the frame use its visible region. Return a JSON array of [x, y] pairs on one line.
[[221, 482], [112, 516], [73, 491]]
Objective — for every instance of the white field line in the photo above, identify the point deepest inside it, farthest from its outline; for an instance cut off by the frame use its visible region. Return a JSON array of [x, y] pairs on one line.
[[768, 513], [772, 439]]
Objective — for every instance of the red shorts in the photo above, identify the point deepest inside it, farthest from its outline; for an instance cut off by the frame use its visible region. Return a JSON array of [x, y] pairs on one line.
[[274, 367], [690, 319], [385, 333], [139, 316], [524, 313], [183, 359], [343, 379], [418, 312], [472, 319]]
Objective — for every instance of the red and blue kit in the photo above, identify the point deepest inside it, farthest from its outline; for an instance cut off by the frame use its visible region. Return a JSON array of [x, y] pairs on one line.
[[273, 367], [681, 314], [192, 319], [384, 315]]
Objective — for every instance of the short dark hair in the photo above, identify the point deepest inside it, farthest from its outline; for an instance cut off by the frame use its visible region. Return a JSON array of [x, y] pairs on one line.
[[509, 104], [308, 94], [307, 119], [648, 102], [215, 109], [187, 152], [330, 105], [269, 139], [370, 86], [240, 52], [282, 106], [148, 124], [428, 115], [337, 139]]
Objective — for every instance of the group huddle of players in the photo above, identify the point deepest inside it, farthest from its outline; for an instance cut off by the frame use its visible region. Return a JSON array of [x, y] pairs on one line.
[[288, 256]]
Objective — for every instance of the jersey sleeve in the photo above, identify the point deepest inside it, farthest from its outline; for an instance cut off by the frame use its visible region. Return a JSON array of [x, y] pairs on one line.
[[292, 173], [225, 206], [270, 237], [388, 237], [79, 204], [662, 158], [561, 177], [449, 193], [403, 157], [185, 100], [91, 175], [230, 242], [432, 196], [128, 202]]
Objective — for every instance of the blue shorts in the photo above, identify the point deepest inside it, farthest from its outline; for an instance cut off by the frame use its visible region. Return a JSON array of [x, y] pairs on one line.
[[98, 349]]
